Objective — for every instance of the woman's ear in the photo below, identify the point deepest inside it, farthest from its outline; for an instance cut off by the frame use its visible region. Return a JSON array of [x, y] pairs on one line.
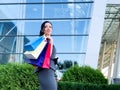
[[42, 31]]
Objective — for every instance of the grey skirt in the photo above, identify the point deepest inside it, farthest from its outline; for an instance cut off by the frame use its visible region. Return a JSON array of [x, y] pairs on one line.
[[47, 79]]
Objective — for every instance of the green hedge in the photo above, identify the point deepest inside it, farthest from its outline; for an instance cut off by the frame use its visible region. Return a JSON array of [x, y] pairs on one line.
[[82, 86], [18, 77], [84, 74]]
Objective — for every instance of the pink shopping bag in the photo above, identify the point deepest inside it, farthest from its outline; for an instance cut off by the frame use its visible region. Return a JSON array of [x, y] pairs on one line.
[[46, 63]]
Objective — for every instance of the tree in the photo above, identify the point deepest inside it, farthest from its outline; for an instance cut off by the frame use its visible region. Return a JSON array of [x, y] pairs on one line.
[[65, 65]]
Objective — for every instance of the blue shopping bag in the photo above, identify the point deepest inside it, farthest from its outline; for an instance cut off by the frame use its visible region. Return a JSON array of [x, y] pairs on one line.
[[36, 52], [39, 61], [33, 44]]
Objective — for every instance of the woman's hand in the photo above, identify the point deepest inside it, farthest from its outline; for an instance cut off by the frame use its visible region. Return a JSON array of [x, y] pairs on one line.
[[49, 39]]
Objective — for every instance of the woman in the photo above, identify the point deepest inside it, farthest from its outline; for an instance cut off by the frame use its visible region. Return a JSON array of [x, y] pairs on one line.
[[47, 77]]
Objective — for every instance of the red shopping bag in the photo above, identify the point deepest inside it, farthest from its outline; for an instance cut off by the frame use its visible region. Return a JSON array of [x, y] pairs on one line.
[[46, 63]]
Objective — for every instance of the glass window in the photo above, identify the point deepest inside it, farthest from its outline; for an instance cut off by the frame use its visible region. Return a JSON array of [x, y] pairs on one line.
[[71, 27], [8, 57], [32, 27], [12, 11], [4, 58], [7, 44], [33, 11]]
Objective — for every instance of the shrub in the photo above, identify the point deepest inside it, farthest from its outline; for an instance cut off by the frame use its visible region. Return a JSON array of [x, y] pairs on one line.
[[18, 77], [84, 74]]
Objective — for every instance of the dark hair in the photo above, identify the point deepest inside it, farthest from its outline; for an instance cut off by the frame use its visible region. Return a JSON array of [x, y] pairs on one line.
[[42, 26]]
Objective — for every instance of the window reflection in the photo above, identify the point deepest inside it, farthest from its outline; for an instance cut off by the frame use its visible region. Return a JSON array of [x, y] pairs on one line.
[[7, 44], [7, 29]]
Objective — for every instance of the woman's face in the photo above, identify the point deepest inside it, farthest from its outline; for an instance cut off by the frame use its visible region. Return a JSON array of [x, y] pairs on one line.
[[47, 29]]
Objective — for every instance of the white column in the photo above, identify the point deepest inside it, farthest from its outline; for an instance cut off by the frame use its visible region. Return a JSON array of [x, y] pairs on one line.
[[117, 58], [103, 55]]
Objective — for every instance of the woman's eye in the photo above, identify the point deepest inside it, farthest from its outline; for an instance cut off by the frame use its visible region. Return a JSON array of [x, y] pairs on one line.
[[48, 27]]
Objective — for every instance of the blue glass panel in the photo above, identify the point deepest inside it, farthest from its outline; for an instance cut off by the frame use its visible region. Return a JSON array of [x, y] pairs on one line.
[[71, 43], [32, 27], [10, 1], [8, 44], [8, 57], [4, 58], [71, 27], [33, 11], [12, 11], [80, 10]]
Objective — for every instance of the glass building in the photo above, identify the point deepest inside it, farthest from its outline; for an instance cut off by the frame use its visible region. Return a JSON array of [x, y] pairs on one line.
[[20, 22]]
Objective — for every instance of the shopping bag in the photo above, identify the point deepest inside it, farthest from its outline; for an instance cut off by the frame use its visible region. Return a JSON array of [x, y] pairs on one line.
[[46, 63], [33, 43], [39, 61], [35, 53]]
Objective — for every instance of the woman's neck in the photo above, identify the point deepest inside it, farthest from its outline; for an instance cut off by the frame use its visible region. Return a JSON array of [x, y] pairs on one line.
[[47, 35]]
